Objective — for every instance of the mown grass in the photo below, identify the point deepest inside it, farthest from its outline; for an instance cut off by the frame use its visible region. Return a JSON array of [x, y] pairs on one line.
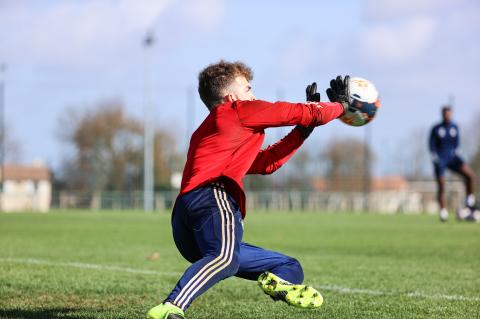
[[367, 266]]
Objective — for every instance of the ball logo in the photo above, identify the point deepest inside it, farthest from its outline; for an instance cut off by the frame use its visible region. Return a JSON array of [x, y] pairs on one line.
[[360, 82]]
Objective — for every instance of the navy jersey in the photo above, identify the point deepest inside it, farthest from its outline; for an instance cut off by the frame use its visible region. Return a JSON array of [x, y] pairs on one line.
[[444, 141]]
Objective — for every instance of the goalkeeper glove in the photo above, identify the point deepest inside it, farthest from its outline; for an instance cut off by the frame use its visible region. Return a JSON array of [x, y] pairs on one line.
[[311, 93], [339, 91], [312, 96]]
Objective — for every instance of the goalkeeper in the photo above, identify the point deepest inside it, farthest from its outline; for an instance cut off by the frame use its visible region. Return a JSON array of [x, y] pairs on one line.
[[207, 218]]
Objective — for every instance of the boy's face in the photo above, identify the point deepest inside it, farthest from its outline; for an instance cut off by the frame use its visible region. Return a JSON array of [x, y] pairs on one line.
[[447, 115], [239, 89]]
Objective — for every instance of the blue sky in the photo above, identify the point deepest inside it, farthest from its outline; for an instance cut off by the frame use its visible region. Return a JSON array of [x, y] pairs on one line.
[[78, 53]]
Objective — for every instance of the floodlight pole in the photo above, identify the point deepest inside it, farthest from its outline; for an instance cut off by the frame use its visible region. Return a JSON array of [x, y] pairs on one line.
[[451, 99], [148, 132], [367, 178], [2, 126], [190, 115]]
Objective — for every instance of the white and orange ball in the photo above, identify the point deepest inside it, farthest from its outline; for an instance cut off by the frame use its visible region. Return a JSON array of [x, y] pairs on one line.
[[364, 102]]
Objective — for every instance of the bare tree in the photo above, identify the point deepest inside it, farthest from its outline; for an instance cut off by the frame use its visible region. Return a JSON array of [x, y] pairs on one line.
[[412, 155], [347, 164], [471, 139], [299, 171], [167, 160], [108, 150]]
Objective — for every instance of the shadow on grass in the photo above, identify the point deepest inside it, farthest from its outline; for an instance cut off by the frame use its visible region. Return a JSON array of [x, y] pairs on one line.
[[54, 313]]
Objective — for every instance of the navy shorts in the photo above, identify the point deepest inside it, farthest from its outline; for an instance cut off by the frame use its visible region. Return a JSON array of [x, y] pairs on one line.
[[453, 164]]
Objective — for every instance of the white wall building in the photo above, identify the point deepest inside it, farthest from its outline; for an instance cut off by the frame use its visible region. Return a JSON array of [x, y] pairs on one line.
[[26, 188]]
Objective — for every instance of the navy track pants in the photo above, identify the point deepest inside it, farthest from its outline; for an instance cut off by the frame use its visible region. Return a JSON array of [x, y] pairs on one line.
[[208, 230]]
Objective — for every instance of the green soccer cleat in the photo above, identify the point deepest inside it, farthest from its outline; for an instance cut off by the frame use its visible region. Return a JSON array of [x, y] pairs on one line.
[[165, 310], [300, 296]]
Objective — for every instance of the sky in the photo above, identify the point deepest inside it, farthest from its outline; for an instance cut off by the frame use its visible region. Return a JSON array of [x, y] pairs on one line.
[[76, 54]]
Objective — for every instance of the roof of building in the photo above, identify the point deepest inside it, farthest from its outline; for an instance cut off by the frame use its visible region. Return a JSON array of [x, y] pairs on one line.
[[382, 183], [26, 172], [389, 183]]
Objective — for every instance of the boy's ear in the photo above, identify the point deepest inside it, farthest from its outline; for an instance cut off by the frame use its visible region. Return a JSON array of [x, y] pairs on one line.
[[228, 98]]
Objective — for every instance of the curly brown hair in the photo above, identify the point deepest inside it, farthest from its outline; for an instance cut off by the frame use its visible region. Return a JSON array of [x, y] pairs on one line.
[[216, 77]]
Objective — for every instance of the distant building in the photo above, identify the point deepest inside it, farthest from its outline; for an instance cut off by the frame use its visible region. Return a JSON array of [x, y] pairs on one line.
[[389, 183], [26, 188], [386, 194], [377, 184]]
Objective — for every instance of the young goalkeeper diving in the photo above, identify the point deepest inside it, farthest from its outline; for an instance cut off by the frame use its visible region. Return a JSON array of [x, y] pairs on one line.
[[207, 218]]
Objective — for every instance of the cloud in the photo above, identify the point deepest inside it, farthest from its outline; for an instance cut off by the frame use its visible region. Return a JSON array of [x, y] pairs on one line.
[[398, 42], [392, 9], [397, 32], [83, 34], [72, 33], [205, 14], [297, 56]]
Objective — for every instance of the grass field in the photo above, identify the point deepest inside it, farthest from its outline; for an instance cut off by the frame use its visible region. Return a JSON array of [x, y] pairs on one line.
[[95, 265]]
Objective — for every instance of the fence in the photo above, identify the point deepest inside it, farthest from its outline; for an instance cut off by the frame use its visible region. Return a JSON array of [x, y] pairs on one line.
[[419, 198]]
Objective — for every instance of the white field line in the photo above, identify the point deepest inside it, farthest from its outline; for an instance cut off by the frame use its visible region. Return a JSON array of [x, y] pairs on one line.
[[334, 288], [88, 266], [413, 294]]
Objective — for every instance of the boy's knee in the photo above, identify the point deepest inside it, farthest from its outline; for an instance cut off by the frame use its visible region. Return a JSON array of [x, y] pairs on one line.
[[297, 270], [290, 270]]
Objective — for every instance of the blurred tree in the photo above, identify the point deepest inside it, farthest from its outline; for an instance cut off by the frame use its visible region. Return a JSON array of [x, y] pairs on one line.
[[108, 151], [475, 162], [472, 139], [259, 182], [167, 160], [293, 175], [413, 156], [299, 176], [345, 167]]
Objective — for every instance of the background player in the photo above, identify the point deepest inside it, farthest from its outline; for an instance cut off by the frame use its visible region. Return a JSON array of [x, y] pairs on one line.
[[207, 218], [444, 142]]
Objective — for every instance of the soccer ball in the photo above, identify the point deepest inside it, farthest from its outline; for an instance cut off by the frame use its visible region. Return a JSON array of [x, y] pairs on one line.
[[364, 102]]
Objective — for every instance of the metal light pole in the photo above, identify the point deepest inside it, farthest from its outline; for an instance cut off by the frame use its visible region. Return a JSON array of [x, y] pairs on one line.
[[2, 125], [190, 115], [148, 190], [451, 99], [367, 177]]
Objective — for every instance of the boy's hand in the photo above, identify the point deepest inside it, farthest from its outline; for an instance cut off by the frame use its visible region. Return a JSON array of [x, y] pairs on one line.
[[339, 91], [312, 96]]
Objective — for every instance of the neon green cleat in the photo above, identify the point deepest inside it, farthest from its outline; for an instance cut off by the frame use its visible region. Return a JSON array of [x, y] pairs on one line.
[[300, 296], [165, 310]]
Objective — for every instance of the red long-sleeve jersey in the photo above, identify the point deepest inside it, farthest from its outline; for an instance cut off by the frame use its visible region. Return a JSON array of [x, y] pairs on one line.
[[226, 146]]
